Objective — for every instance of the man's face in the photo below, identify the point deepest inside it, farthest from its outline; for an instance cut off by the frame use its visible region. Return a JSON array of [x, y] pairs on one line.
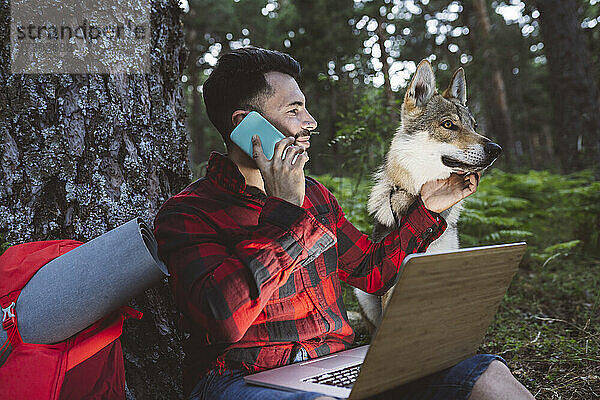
[[285, 108]]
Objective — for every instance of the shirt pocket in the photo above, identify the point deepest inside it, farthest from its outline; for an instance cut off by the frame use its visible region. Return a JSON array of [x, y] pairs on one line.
[[326, 263], [328, 220]]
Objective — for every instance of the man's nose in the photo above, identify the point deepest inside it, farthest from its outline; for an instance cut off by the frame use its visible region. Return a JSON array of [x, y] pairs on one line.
[[309, 122]]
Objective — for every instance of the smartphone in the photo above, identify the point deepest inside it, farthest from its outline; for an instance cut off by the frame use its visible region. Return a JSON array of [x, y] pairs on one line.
[[256, 124]]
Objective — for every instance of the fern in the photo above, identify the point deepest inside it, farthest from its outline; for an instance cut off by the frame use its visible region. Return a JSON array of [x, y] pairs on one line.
[[505, 235], [556, 214], [510, 202]]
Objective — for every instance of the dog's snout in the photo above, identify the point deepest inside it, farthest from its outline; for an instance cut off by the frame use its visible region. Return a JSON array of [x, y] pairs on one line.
[[492, 149]]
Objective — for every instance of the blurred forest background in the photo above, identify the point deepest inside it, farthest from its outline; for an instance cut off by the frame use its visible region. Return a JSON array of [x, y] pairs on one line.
[[532, 68], [532, 71], [82, 154]]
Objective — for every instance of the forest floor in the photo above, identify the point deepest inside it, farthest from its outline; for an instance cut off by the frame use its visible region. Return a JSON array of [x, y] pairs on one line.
[[547, 329], [548, 326]]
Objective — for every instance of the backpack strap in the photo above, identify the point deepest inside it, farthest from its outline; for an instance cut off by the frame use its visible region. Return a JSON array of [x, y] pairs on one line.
[[96, 342], [9, 322], [78, 352]]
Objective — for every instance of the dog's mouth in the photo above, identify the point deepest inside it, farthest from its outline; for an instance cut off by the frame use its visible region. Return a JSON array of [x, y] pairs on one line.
[[461, 165]]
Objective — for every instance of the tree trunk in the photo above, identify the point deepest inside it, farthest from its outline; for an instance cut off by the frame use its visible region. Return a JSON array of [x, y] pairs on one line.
[[573, 89], [333, 112], [382, 36], [498, 109], [199, 153], [82, 154]]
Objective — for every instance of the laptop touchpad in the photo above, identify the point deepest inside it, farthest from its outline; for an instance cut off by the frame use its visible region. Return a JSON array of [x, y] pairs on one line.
[[333, 362]]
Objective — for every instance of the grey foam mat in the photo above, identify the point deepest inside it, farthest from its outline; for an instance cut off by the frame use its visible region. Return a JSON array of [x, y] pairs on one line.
[[76, 289]]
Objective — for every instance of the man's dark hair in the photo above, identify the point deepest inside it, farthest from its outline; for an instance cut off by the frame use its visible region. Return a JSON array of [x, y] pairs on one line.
[[238, 83]]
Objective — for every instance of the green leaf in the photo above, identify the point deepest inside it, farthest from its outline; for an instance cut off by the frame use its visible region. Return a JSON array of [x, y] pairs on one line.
[[3, 245]]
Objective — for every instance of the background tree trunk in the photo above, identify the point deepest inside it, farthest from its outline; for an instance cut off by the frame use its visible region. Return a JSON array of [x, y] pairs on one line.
[[82, 154], [499, 114], [382, 36], [198, 153], [573, 89]]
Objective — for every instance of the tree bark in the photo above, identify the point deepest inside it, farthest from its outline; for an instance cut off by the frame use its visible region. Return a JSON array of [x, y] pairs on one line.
[[573, 89], [82, 154], [499, 112]]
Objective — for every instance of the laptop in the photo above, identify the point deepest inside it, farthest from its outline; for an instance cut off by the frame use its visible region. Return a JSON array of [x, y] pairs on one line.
[[437, 316]]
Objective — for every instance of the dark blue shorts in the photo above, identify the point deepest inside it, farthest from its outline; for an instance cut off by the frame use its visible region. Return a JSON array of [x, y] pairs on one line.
[[454, 383]]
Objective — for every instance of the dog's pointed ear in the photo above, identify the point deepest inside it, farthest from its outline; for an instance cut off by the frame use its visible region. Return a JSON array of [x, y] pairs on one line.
[[458, 87], [422, 86]]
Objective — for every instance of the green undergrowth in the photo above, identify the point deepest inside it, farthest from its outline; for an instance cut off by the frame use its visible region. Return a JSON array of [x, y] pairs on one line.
[[548, 325], [548, 329], [3, 244], [352, 196]]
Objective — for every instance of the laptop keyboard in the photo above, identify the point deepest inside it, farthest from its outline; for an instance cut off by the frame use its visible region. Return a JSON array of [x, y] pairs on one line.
[[344, 377]]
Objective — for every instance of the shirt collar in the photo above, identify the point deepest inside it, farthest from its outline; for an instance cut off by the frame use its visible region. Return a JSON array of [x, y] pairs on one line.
[[222, 171]]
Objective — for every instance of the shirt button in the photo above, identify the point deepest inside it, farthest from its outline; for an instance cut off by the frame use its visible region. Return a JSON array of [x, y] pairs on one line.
[[429, 230]]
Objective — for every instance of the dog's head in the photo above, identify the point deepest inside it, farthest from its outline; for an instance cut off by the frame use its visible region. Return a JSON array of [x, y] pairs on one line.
[[440, 129]]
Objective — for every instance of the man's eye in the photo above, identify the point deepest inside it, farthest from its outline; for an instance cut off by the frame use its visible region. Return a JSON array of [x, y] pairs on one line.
[[449, 125], [294, 111]]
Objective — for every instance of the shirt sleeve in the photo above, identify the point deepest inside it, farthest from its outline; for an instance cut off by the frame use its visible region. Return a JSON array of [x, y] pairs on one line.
[[374, 266], [223, 284]]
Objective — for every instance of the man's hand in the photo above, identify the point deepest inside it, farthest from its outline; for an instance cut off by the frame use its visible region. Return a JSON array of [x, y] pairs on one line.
[[282, 178], [441, 194]]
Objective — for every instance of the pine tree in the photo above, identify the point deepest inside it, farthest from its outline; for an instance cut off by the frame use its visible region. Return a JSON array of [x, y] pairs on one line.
[[82, 154], [573, 86]]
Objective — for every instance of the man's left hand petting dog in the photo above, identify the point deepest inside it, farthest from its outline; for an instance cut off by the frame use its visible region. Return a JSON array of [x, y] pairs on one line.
[[441, 194]]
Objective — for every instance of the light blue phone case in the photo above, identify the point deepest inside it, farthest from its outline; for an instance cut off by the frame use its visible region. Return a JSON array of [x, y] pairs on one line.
[[256, 124]]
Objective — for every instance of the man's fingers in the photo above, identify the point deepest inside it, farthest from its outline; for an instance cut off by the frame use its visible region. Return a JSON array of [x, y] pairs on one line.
[[472, 178], [280, 146], [301, 160], [469, 180], [470, 187], [291, 151], [257, 152]]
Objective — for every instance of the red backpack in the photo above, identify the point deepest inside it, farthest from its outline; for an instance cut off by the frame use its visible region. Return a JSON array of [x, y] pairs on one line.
[[88, 365]]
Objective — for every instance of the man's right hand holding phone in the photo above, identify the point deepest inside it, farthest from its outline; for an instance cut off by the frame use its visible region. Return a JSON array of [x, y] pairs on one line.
[[282, 178]]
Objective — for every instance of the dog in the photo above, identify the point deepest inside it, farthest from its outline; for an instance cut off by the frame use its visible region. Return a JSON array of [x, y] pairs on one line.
[[436, 138]]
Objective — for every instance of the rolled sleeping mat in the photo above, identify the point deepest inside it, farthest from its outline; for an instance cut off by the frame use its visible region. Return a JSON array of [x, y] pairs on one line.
[[73, 291]]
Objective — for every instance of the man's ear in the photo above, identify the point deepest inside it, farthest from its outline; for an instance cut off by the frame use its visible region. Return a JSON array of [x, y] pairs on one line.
[[457, 87], [422, 87], [238, 116]]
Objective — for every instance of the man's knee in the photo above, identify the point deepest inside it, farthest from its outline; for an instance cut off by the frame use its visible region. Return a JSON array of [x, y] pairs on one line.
[[497, 382]]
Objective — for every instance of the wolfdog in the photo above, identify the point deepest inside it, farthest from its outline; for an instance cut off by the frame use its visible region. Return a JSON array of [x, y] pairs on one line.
[[436, 138]]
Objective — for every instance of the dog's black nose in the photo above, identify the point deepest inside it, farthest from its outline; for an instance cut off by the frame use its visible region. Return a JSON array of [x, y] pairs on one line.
[[492, 149]]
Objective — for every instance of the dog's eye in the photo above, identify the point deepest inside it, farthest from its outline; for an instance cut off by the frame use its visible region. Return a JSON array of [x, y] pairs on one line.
[[449, 125]]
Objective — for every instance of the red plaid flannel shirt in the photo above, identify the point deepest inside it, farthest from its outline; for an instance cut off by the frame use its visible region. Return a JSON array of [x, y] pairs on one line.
[[256, 277]]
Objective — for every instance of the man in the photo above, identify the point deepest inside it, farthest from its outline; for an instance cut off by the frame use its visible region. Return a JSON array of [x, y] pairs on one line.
[[256, 250]]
